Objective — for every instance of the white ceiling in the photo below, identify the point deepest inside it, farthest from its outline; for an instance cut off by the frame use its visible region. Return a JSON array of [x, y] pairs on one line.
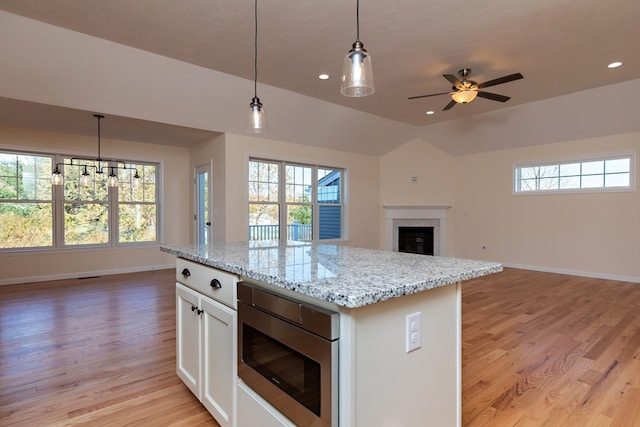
[[560, 46]]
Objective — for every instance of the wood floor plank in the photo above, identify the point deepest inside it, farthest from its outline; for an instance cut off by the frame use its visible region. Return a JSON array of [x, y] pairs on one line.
[[572, 362], [93, 352], [539, 349]]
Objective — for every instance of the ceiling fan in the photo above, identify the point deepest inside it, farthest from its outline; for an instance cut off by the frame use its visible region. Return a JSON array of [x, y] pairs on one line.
[[465, 91]]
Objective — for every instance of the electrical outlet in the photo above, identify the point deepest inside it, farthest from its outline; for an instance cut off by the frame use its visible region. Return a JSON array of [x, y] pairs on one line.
[[413, 331]]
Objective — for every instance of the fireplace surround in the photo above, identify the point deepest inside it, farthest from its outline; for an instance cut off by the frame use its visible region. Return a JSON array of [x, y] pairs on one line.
[[418, 216]]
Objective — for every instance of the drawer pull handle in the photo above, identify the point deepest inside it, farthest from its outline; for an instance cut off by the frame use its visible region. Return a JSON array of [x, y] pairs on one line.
[[215, 283], [186, 272]]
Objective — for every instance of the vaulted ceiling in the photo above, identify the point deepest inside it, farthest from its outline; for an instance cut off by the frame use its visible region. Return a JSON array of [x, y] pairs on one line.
[[560, 46]]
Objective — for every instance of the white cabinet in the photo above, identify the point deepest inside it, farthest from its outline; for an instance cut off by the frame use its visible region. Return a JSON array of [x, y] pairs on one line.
[[188, 326], [254, 411], [219, 360], [206, 339]]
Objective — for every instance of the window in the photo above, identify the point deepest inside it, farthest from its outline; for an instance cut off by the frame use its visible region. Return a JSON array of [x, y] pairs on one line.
[[36, 214], [612, 173], [297, 202], [26, 201]]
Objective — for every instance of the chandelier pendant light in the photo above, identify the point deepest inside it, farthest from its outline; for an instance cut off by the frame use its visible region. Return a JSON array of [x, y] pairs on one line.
[[357, 71], [99, 165], [257, 117]]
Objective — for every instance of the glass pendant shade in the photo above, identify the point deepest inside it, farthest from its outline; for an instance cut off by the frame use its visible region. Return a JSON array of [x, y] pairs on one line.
[[257, 116], [464, 96], [56, 177], [112, 180], [85, 178], [136, 180], [357, 72]]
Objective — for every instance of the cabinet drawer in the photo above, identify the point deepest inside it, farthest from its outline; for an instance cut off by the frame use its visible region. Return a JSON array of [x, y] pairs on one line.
[[209, 281]]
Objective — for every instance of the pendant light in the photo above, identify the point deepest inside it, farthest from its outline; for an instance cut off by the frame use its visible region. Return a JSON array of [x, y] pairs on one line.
[[257, 117], [357, 71], [99, 165]]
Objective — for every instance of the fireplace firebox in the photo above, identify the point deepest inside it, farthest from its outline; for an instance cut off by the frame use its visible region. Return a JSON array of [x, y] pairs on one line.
[[416, 240]]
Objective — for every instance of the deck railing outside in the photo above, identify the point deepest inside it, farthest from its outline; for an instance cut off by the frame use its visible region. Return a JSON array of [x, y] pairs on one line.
[[295, 231]]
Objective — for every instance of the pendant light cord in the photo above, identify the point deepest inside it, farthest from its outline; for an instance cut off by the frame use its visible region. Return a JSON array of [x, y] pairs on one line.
[[357, 20], [99, 117], [255, 51]]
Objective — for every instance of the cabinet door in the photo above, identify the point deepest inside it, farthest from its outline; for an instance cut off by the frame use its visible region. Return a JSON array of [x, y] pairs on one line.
[[220, 365], [254, 411], [188, 325]]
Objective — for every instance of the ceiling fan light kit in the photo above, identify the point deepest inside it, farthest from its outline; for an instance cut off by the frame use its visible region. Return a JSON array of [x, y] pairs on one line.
[[465, 91], [464, 96]]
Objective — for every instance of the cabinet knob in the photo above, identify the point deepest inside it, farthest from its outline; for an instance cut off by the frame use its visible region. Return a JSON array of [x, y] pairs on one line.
[[199, 312], [193, 308], [215, 283], [186, 272]]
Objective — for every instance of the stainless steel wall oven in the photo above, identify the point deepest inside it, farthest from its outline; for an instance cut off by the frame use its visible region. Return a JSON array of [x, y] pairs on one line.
[[288, 354]]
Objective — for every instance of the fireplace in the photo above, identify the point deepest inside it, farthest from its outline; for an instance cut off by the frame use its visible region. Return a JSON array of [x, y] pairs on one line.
[[416, 218], [415, 240]]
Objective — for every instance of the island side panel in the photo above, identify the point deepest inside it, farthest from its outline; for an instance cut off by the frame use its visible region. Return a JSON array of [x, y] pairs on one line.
[[391, 387]]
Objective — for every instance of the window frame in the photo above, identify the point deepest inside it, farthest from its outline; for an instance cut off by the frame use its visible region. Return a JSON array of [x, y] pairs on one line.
[[518, 167], [283, 205], [58, 202]]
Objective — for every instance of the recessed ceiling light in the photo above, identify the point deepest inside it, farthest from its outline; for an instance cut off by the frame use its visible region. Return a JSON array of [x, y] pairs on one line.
[[614, 64], [428, 113], [323, 76]]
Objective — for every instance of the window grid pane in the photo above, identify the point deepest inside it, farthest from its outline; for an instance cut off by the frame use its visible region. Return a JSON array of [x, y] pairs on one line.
[[86, 224], [28, 206], [26, 201], [591, 174], [304, 192]]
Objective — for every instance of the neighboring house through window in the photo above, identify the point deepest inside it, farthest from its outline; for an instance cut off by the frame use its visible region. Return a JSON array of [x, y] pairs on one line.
[[289, 201]]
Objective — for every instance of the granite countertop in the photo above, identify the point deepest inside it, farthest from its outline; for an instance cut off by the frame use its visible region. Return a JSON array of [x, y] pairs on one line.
[[343, 275]]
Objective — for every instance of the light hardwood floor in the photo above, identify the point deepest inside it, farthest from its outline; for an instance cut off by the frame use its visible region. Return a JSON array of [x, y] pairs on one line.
[[539, 349]]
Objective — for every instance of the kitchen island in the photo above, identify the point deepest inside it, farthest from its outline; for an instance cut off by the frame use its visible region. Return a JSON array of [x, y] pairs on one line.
[[383, 380]]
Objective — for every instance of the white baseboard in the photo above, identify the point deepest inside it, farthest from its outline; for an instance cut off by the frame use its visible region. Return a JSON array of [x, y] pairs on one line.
[[632, 279], [84, 274]]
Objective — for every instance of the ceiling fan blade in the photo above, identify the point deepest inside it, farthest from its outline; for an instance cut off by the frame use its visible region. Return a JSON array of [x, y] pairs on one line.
[[426, 96], [454, 80], [501, 80], [493, 96], [450, 105]]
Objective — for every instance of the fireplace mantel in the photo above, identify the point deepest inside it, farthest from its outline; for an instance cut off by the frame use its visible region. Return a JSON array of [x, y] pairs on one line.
[[418, 216]]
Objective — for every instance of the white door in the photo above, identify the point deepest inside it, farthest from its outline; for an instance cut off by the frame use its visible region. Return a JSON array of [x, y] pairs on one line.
[[219, 365], [203, 204], [188, 322]]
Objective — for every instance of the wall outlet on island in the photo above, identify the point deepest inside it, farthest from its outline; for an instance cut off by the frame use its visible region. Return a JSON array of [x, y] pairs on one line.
[[413, 331]]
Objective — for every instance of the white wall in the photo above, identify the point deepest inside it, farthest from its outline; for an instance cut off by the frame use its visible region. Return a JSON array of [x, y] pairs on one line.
[[593, 234], [434, 186], [596, 234], [20, 267], [362, 184]]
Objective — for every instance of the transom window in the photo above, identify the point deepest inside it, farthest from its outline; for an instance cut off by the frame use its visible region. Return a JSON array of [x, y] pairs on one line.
[[36, 214], [614, 173], [289, 201]]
